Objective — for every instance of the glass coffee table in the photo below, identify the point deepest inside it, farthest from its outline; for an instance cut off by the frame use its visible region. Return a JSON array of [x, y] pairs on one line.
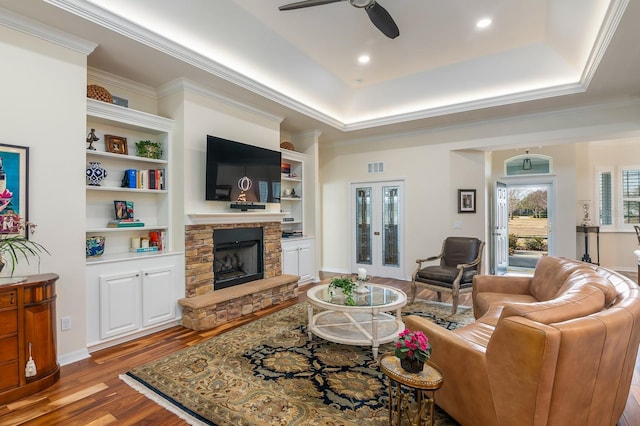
[[367, 323]]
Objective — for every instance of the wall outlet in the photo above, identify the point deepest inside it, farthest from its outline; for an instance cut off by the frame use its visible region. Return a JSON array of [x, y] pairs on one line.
[[65, 324]]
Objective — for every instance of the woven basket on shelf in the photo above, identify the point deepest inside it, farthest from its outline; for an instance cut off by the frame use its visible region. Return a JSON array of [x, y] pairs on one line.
[[99, 93], [288, 145]]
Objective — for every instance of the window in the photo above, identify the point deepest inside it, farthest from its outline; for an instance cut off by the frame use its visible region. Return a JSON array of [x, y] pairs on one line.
[[631, 196], [625, 208]]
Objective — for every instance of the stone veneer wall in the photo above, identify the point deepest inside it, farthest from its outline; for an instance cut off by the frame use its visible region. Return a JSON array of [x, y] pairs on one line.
[[199, 253]]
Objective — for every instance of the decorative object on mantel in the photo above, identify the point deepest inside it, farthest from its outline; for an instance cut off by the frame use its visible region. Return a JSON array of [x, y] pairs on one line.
[[149, 149], [287, 145], [91, 138], [95, 173], [413, 349], [99, 93]]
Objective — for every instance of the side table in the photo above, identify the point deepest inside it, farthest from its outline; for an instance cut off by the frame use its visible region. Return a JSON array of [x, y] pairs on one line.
[[423, 385]]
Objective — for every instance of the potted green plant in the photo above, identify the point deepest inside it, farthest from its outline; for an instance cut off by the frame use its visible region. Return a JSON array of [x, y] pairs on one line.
[[346, 285], [14, 247], [149, 149]]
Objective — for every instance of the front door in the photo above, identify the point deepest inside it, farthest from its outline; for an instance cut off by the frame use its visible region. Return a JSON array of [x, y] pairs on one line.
[[377, 227]]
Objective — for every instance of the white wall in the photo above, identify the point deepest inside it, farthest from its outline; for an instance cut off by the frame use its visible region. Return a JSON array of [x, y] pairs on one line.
[[43, 107], [432, 175], [203, 113]]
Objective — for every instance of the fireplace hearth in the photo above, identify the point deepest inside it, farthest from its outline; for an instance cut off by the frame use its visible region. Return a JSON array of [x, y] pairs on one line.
[[237, 256]]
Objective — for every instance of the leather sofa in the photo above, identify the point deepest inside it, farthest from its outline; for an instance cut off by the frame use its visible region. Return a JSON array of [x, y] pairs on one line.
[[557, 348]]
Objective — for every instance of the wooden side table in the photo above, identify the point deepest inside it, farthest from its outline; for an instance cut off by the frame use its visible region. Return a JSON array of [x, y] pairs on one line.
[[423, 385]]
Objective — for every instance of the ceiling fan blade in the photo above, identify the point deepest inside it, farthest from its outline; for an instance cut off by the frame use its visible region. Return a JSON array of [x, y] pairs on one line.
[[382, 20], [306, 3]]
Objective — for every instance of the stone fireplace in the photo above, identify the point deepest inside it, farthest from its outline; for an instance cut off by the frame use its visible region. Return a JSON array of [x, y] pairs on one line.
[[245, 276], [199, 248]]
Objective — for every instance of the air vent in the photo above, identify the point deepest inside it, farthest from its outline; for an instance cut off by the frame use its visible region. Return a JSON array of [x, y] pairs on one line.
[[376, 167]]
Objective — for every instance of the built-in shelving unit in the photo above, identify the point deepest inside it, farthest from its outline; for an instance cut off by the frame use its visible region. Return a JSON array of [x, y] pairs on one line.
[[130, 294], [292, 197]]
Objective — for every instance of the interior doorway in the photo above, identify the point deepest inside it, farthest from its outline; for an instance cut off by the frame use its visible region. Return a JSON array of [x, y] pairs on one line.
[[526, 208], [378, 228]]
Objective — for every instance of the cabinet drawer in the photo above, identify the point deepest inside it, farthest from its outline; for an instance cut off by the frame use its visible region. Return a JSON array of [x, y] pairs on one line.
[[8, 299], [9, 375], [8, 322], [9, 349]]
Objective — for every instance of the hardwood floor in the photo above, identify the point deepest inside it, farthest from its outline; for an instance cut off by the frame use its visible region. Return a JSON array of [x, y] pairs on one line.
[[90, 392]]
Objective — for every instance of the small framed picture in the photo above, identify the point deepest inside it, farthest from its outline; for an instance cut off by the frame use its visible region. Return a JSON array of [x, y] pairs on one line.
[[116, 144], [466, 200], [124, 209]]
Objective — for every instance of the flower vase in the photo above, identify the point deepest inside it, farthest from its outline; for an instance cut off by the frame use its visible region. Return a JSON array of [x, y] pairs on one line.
[[411, 365], [95, 173]]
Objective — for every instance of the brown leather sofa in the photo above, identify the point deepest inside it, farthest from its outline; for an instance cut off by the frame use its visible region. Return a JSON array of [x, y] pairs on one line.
[[557, 348]]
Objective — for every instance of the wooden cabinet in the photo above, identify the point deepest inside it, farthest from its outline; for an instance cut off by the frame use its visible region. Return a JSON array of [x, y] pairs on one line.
[[297, 258], [27, 316]]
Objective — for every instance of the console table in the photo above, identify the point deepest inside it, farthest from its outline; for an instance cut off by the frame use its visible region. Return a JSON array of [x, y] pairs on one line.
[[586, 230], [27, 316]]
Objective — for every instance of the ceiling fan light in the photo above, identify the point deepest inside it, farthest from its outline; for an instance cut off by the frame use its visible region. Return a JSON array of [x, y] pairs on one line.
[[483, 23]]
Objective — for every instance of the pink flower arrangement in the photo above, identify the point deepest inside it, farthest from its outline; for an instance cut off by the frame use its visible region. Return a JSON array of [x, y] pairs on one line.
[[413, 345]]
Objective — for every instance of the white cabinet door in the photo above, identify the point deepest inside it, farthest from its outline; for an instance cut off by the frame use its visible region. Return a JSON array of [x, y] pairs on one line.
[[290, 259], [158, 298], [298, 259], [305, 262], [119, 304]]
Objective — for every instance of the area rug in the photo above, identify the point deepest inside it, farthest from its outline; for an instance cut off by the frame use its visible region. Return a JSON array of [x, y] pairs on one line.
[[269, 373]]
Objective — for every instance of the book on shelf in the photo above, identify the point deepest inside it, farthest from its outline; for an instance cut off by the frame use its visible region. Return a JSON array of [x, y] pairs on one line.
[[143, 249], [125, 223], [144, 179]]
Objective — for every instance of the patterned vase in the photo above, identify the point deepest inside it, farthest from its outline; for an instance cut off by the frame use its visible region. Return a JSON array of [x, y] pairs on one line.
[[95, 173], [95, 246], [411, 365]]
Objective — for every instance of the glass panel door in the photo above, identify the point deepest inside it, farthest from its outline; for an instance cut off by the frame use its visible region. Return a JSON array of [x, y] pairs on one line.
[[378, 228]]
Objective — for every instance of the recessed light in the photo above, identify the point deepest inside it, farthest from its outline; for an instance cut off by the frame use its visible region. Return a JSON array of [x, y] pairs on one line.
[[483, 23], [364, 59]]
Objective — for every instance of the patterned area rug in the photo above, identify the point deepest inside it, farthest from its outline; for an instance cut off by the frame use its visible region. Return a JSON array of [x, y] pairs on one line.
[[269, 373]]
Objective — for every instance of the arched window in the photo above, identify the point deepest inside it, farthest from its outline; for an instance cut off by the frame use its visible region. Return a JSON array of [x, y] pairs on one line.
[[528, 164]]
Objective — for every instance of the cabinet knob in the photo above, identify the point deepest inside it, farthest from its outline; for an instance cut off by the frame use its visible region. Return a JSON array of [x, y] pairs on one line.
[[12, 299]]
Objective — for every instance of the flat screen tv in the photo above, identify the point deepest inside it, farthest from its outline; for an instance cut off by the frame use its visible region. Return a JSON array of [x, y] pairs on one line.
[[241, 173]]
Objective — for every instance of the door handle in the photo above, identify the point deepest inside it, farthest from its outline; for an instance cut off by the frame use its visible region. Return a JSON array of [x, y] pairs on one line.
[[376, 233]]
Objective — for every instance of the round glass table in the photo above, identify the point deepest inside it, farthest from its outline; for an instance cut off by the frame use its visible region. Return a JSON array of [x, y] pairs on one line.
[[367, 323]]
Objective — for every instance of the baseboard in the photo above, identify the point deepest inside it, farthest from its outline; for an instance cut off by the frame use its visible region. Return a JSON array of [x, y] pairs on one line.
[[72, 357]]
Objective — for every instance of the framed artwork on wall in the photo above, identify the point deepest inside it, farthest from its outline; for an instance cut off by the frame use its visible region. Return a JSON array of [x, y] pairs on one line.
[[466, 200], [14, 178]]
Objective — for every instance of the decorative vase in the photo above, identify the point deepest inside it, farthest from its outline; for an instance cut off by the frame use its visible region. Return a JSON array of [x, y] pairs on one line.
[[95, 246], [95, 173], [411, 365]]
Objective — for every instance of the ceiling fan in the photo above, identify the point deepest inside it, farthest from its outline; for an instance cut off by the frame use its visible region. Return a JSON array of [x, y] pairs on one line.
[[378, 14]]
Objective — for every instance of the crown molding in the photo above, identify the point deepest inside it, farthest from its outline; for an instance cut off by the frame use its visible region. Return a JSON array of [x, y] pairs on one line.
[[109, 79], [133, 31], [29, 26], [184, 85]]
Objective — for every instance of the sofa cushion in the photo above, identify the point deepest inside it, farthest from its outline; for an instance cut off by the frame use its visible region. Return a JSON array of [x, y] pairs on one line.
[[445, 274], [550, 274], [484, 301], [594, 279], [578, 301]]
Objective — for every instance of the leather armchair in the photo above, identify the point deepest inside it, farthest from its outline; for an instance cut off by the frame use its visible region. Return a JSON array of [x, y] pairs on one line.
[[460, 260]]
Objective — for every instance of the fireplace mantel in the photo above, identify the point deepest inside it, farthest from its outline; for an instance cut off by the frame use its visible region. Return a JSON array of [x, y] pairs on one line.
[[233, 217]]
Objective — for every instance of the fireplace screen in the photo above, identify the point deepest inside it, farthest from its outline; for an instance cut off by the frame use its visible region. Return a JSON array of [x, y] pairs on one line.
[[237, 256]]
